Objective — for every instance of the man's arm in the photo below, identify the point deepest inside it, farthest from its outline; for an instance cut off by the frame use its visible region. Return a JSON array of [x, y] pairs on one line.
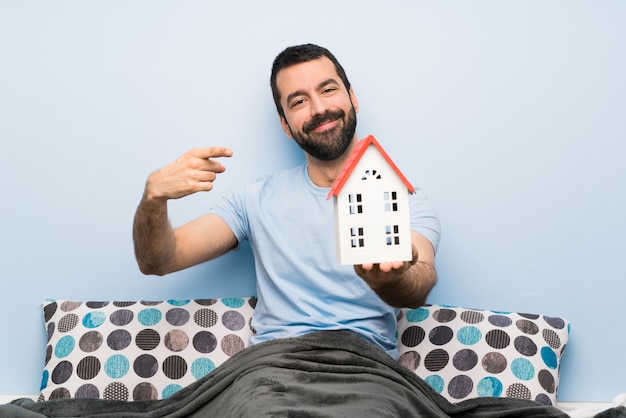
[[404, 284], [161, 249]]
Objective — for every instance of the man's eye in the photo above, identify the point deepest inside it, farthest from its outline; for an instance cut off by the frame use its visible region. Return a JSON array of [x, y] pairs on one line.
[[329, 89], [296, 103]]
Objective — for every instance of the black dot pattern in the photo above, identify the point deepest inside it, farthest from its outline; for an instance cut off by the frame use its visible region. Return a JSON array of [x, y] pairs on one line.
[[139, 350], [464, 353]]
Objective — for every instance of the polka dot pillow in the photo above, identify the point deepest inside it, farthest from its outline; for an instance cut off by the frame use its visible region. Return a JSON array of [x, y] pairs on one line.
[[467, 353], [138, 350]]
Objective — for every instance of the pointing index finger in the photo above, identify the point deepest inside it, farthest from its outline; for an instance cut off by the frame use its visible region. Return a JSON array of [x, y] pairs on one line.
[[212, 152]]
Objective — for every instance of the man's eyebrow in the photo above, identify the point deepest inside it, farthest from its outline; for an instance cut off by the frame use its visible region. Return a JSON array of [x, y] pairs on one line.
[[319, 86]]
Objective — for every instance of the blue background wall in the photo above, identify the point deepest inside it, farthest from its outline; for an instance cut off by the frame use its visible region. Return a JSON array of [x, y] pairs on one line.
[[509, 114]]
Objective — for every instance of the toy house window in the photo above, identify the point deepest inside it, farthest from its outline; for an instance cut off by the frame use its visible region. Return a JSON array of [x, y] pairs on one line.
[[371, 174], [392, 235], [356, 237], [390, 200], [355, 203]]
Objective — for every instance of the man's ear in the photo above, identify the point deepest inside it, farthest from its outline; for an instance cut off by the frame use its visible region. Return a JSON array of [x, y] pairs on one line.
[[355, 102], [285, 126]]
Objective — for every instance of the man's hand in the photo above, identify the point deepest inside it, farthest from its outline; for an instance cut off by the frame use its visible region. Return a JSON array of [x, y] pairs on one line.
[[194, 171], [160, 249], [404, 284], [384, 274]]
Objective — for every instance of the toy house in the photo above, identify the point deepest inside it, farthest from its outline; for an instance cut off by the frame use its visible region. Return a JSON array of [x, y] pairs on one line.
[[371, 208]]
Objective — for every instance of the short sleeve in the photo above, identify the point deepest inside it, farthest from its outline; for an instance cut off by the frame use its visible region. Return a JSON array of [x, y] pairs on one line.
[[232, 209], [424, 219]]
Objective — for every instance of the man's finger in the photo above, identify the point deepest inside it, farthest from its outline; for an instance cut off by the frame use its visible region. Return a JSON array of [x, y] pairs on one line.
[[211, 152], [385, 267]]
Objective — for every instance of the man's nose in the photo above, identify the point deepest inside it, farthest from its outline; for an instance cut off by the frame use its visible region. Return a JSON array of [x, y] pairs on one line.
[[318, 106]]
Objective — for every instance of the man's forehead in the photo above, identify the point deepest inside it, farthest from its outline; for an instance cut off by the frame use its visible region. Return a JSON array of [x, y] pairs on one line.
[[300, 75]]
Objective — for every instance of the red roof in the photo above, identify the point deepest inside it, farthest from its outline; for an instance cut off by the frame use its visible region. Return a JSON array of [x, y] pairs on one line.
[[358, 152]]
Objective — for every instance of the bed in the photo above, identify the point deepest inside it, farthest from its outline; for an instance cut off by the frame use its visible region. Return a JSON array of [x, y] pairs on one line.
[[460, 361]]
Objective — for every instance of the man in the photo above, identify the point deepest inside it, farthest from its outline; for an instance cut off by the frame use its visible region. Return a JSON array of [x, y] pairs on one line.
[[288, 220]]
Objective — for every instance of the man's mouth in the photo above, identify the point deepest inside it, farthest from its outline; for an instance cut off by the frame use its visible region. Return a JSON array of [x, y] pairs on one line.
[[321, 123], [324, 126]]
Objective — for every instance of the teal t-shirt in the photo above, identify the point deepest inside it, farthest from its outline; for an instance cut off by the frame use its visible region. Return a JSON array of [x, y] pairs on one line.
[[301, 287]]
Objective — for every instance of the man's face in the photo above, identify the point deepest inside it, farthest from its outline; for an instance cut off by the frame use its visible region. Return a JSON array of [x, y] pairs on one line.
[[320, 114]]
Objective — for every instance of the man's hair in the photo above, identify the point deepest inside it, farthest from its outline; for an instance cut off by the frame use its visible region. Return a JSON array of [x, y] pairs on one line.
[[296, 55]]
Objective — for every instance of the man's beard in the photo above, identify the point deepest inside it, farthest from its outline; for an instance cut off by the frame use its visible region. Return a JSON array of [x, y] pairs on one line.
[[332, 143]]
